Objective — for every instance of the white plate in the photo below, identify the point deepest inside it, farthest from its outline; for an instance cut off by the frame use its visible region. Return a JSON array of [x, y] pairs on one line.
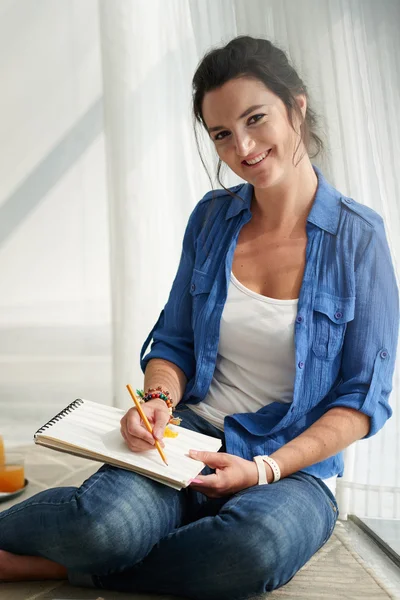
[[4, 496]]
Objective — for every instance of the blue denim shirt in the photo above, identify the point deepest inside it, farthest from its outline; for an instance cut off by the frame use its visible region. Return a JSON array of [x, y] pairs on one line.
[[346, 328]]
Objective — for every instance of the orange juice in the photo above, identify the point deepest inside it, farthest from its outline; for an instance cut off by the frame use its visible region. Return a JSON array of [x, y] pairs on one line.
[[11, 478], [2, 457]]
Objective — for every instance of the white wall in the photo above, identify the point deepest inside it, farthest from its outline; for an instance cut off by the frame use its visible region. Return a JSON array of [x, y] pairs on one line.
[[54, 246]]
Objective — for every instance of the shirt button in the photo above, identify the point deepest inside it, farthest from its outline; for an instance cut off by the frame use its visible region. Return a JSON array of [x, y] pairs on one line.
[[338, 315], [299, 319], [301, 364], [348, 200], [192, 287], [384, 354]]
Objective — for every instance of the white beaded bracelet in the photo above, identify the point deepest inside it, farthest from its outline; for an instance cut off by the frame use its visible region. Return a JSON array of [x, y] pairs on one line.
[[262, 476]]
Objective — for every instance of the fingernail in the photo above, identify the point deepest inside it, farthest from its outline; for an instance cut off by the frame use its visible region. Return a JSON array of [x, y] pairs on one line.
[[193, 452], [196, 481]]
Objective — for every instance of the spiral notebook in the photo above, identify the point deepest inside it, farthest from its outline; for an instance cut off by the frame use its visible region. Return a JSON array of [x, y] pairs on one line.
[[92, 431]]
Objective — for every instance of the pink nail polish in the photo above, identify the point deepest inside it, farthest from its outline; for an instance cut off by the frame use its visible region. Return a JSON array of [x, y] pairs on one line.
[[196, 481]]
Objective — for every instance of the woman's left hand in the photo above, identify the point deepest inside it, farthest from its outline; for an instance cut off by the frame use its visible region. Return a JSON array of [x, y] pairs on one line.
[[232, 474]]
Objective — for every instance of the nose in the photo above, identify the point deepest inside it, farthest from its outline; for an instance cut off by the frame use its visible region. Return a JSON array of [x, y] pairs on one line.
[[244, 145]]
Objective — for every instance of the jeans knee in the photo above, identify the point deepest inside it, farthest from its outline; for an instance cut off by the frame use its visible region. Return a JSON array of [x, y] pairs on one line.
[[101, 540], [258, 552], [260, 559], [265, 565]]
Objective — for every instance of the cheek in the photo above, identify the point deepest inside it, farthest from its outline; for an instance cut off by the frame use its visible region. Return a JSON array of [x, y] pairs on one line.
[[291, 138], [284, 145], [278, 134], [224, 152]]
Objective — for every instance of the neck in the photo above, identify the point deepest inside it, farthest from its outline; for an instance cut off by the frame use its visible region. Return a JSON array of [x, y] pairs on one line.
[[288, 203]]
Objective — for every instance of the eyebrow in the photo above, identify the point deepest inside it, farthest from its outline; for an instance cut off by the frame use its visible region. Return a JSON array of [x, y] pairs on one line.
[[246, 112]]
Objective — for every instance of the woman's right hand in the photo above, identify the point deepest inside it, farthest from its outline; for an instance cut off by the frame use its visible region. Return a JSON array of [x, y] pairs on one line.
[[134, 431]]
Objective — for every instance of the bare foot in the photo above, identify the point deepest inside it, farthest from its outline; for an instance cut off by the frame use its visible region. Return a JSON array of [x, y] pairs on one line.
[[14, 567]]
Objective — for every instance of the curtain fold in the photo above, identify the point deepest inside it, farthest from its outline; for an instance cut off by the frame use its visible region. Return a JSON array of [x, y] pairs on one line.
[[148, 51], [348, 53]]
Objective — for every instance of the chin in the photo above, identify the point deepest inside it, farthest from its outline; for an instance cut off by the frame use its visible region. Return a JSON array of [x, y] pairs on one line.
[[265, 180]]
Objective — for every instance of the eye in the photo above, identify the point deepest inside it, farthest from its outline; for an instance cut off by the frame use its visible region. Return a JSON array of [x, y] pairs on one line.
[[257, 117], [217, 138]]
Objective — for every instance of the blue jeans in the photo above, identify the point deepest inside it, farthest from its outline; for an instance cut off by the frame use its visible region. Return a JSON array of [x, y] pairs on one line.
[[122, 531]]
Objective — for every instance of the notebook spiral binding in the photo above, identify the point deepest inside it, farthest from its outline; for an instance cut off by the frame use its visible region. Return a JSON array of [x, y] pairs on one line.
[[60, 416]]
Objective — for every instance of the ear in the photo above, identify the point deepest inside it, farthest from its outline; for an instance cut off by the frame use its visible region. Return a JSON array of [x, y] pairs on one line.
[[302, 103]]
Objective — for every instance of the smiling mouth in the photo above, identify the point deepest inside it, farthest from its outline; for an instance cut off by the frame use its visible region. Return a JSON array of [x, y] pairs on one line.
[[256, 161]]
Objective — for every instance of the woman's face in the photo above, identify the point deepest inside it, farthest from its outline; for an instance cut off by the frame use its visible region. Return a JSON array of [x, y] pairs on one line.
[[248, 122]]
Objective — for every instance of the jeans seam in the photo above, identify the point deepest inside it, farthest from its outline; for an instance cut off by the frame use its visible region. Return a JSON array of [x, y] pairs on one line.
[[100, 476], [238, 496], [322, 486], [331, 528], [334, 512]]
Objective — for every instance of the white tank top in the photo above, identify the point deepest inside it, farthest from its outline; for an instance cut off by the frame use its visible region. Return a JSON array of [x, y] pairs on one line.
[[256, 357]]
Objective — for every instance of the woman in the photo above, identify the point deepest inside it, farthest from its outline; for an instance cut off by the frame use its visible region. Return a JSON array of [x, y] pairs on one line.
[[279, 337]]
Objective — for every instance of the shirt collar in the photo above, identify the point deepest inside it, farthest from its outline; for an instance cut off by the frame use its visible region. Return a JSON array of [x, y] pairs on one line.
[[325, 211]]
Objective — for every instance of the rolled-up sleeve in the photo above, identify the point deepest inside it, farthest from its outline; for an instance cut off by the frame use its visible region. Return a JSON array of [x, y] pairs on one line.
[[173, 333], [370, 344]]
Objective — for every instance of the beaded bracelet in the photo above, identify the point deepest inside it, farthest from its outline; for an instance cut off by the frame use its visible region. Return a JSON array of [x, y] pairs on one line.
[[163, 395], [159, 393]]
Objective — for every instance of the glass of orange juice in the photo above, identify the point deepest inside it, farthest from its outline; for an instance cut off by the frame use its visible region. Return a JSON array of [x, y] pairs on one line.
[[2, 456], [12, 475]]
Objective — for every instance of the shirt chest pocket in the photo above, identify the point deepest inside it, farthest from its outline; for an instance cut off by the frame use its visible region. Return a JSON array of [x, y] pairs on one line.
[[200, 288], [330, 317]]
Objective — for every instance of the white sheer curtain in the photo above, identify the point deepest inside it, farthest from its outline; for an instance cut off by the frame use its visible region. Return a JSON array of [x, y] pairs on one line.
[[348, 53]]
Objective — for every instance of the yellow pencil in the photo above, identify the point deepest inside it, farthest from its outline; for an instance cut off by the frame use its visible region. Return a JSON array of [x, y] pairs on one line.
[[146, 422]]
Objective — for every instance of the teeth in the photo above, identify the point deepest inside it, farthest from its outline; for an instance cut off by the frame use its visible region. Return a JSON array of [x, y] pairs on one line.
[[256, 160]]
